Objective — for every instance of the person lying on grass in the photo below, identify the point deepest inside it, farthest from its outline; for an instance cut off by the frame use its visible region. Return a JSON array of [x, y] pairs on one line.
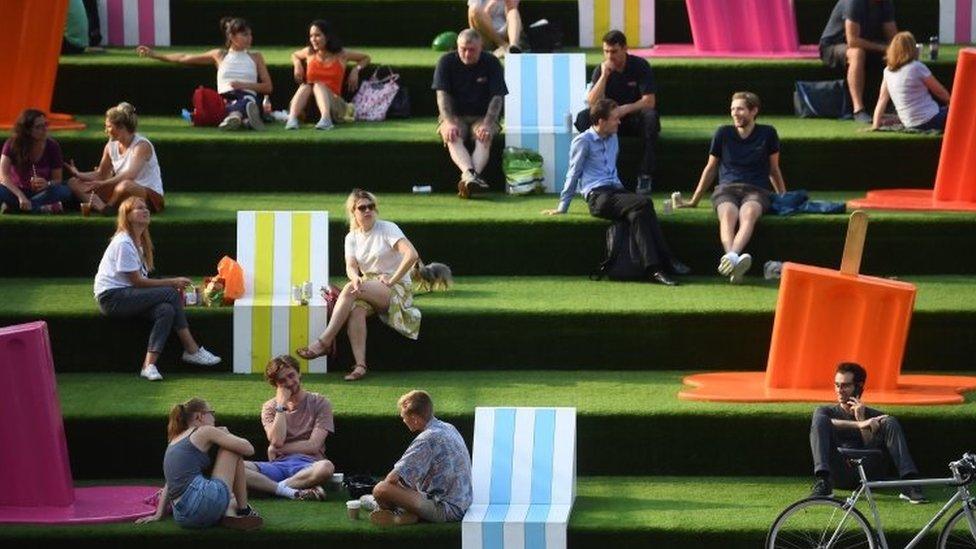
[[432, 481], [128, 167], [123, 289], [31, 167], [378, 263], [322, 75], [296, 423], [242, 75], [199, 501]]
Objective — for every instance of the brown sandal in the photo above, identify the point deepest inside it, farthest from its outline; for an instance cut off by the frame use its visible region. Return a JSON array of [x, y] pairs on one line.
[[309, 354], [357, 373]]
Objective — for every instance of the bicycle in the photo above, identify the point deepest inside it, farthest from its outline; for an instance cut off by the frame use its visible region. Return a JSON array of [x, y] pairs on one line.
[[828, 523]]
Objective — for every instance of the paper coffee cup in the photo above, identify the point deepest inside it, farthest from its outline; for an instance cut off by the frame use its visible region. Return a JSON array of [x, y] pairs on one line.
[[352, 509]]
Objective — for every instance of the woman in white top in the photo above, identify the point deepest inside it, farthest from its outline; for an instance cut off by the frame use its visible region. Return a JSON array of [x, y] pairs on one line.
[[123, 289], [378, 262], [128, 167], [910, 86], [242, 75]]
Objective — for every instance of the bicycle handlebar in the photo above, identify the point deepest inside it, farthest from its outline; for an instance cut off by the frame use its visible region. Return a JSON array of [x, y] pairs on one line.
[[966, 467]]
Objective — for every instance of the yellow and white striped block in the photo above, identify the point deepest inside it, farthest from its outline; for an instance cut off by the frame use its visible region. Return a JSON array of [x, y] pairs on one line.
[[635, 18], [279, 250]]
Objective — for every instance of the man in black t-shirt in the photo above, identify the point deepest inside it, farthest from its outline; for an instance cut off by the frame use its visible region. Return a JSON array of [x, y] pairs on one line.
[[628, 80], [745, 156], [470, 86], [857, 33]]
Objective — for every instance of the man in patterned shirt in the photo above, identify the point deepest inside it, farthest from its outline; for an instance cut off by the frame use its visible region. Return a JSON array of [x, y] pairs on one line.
[[432, 480]]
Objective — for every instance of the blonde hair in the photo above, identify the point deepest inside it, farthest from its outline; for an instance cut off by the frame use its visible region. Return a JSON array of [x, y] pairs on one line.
[[181, 414], [418, 403], [901, 51], [123, 114], [122, 225], [355, 196]]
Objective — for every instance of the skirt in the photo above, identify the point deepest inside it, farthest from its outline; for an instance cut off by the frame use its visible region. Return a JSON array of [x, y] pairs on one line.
[[401, 315]]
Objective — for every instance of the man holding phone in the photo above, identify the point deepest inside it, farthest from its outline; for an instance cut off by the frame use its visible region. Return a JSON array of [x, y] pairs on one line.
[[851, 424]]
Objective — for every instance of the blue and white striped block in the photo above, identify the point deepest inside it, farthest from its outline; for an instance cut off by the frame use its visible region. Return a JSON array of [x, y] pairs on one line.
[[545, 91], [523, 478]]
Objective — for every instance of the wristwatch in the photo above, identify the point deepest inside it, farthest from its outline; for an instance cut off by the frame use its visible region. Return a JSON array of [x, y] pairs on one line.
[[281, 408]]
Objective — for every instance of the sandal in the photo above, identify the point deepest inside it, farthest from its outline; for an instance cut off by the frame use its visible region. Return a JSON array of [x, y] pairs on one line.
[[308, 354], [357, 373]]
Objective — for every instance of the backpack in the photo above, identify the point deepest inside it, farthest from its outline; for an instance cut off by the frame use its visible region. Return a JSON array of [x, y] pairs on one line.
[[208, 107], [821, 99], [623, 260]]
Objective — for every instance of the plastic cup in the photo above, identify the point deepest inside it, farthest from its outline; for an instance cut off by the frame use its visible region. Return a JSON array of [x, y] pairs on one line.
[[85, 209], [352, 509]]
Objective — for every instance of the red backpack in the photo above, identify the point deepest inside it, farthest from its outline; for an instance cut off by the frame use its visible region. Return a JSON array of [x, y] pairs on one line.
[[208, 107]]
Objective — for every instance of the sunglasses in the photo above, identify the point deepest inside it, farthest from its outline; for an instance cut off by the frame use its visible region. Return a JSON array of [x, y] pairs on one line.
[[366, 207]]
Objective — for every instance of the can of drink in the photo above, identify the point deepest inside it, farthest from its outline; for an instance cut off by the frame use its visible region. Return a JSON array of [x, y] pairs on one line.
[[306, 292], [422, 189], [668, 207], [933, 48], [190, 295], [296, 293], [675, 199]]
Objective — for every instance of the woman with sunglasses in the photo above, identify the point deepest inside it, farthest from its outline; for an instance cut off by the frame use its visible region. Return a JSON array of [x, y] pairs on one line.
[[378, 262], [198, 501], [31, 167]]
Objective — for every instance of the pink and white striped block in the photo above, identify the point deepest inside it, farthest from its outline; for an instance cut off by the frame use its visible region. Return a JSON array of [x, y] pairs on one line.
[[957, 22], [134, 22]]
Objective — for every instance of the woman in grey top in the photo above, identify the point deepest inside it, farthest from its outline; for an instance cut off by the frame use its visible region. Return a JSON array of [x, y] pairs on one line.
[[198, 501], [909, 84]]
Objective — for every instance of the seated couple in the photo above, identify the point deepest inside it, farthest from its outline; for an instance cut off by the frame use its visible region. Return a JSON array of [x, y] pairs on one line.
[[431, 481]]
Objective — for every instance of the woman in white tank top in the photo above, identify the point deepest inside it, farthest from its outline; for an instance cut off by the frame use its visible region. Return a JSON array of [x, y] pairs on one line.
[[242, 75], [129, 167]]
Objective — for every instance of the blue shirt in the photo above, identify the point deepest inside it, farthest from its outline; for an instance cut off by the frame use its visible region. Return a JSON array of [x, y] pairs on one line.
[[744, 160], [592, 164], [437, 464]]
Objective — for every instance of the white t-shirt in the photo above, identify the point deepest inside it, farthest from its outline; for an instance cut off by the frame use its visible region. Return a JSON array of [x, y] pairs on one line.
[[374, 250], [912, 99], [121, 257], [149, 176]]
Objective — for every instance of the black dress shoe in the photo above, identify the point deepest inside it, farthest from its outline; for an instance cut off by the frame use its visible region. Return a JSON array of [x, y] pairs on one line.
[[660, 277], [679, 268]]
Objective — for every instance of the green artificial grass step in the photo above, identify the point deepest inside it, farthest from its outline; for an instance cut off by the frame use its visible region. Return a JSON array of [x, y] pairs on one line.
[[816, 155], [493, 235], [513, 323], [628, 512], [628, 423]]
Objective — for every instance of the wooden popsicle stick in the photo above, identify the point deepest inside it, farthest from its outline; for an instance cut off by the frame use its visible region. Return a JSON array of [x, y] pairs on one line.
[[857, 229]]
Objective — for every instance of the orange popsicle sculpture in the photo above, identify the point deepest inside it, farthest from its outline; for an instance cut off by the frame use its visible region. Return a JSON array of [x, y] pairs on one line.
[[955, 180], [825, 317]]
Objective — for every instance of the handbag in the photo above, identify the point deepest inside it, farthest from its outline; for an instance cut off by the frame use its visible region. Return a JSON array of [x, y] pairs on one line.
[[375, 95], [400, 107], [821, 99]]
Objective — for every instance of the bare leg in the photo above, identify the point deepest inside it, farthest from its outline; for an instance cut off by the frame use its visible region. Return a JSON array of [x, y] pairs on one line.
[[373, 291], [480, 156], [186, 338], [749, 214], [322, 100], [300, 100], [124, 189], [229, 467], [481, 22], [460, 155], [514, 21], [256, 481], [728, 215], [151, 358], [356, 330], [393, 496], [315, 474], [856, 63]]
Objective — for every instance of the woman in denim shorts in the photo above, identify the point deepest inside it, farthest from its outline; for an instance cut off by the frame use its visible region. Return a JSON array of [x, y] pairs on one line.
[[198, 501]]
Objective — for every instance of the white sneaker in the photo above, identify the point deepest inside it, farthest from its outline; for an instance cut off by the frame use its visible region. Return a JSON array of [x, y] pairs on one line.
[[324, 124], [202, 357], [254, 116], [740, 269], [291, 124], [151, 373], [368, 503], [231, 122], [727, 262]]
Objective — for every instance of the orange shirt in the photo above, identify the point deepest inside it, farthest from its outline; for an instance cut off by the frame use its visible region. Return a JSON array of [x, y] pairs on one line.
[[329, 73]]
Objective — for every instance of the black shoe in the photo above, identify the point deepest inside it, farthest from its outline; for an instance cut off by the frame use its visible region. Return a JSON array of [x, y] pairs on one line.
[[644, 184], [478, 182], [822, 489], [514, 49], [913, 495], [679, 268], [660, 277]]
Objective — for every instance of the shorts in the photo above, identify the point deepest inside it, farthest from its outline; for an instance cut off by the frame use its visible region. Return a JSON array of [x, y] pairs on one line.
[[283, 468], [468, 125], [739, 194], [202, 504], [432, 510], [835, 55]]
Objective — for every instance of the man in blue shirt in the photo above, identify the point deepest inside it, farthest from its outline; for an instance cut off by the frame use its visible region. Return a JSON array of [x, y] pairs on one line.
[[745, 155], [593, 173]]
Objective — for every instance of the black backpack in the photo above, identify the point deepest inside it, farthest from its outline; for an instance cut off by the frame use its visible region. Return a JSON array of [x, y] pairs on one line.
[[623, 260]]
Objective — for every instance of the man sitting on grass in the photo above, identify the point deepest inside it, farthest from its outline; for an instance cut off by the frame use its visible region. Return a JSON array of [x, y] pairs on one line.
[[745, 155], [296, 423], [432, 480], [851, 424]]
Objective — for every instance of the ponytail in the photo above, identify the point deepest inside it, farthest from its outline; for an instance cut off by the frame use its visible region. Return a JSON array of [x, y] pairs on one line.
[[181, 414]]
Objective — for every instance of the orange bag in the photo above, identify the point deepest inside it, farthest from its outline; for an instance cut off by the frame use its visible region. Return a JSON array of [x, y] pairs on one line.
[[233, 275]]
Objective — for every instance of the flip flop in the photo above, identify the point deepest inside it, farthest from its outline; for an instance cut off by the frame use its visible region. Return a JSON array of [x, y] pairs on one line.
[[357, 373], [308, 354]]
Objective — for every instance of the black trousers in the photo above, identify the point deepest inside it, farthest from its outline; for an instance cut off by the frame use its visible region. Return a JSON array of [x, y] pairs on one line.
[[644, 124], [638, 210], [825, 438]]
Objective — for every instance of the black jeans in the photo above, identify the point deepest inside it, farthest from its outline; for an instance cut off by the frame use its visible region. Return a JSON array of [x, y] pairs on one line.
[[645, 124], [617, 204], [162, 306]]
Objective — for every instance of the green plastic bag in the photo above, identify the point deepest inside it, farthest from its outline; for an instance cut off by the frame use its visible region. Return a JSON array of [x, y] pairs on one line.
[[445, 41], [523, 171]]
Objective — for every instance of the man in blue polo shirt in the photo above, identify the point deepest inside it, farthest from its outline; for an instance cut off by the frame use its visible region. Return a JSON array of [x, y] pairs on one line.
[[745, 156]]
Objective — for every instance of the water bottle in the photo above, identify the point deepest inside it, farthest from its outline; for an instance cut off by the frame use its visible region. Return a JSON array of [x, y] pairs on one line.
[[933, 48], [422, 189], [266, 105]]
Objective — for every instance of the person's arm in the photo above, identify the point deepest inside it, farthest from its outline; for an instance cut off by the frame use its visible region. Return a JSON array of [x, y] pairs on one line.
[[223, 438], [211, 57], [311, 446], [410, 256], [353, 273], [486, 130], [704, 182], [103, 170], [362, 61], [776, 174], [263, 85], [599, 88], [449, 127], [298, 68], [578, 153], [852, 32], [647, 101], [139, 281], [889, 29], [161, 507], [277, 429], [882, 105], [6, 173], [936, 88]]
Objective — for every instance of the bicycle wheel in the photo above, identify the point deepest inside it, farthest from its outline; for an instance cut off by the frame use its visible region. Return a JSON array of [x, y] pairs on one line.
[[812, 523], [956, 534]]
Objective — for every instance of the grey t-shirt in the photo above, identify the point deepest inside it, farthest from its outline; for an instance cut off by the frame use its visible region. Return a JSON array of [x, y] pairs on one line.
[[912, 99], [437, 464], [869, 14]]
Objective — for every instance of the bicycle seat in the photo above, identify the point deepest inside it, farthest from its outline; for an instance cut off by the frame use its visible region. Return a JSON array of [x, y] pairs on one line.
[[859, 453]]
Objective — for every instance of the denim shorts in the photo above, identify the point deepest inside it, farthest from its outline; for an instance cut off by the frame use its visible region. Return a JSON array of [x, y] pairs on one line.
[[285, 467], [202, 504]]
